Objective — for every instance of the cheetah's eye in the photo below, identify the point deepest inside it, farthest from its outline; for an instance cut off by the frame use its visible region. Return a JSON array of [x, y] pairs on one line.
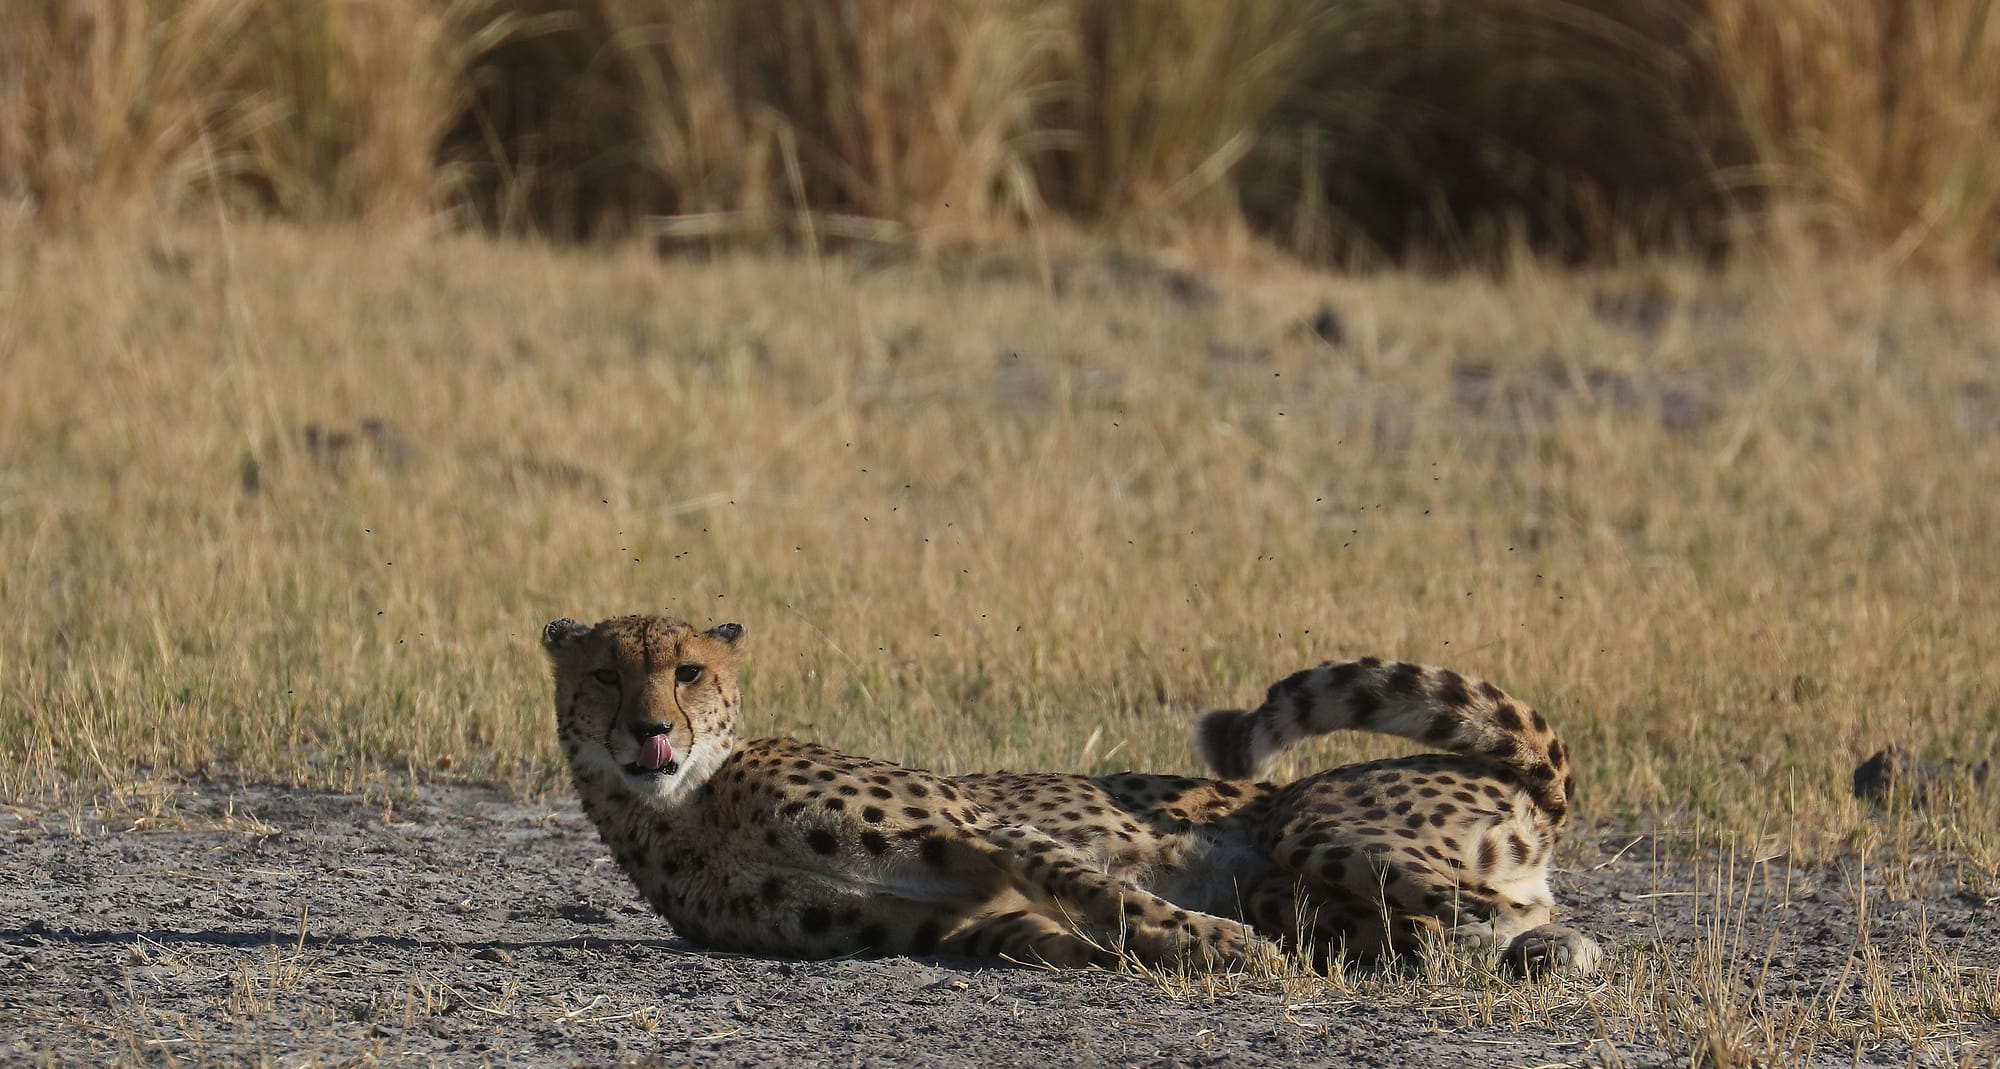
[[687, 673], [605, 676]]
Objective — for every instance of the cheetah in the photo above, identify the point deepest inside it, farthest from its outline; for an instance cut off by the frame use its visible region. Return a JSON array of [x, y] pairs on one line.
[[786, 848]]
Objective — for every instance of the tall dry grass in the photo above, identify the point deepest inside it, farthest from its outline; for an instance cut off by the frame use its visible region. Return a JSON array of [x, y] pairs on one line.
[[1878, 122], [322, 110], [1348, 129]]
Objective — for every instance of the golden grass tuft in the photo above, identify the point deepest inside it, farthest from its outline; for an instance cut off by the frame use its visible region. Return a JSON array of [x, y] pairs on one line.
[[1350, 130], [1876, 123]]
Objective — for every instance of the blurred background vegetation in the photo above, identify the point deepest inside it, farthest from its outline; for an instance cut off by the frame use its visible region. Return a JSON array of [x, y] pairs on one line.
[[1348, 131]]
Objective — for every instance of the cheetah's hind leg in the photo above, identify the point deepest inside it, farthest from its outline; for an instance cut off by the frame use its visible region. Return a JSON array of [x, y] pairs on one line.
[[1153, 930], [1028, 937]]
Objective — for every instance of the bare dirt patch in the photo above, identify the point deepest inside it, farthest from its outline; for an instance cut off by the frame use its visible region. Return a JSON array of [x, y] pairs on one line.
[[221, 923]]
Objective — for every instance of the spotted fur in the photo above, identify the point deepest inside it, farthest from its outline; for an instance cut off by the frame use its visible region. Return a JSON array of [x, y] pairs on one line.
[[778, 846]]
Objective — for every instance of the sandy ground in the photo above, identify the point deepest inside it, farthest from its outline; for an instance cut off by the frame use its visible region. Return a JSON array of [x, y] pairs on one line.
[[458, 925]]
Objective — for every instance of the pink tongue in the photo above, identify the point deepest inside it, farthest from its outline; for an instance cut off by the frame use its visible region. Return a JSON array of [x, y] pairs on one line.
[[654, 753]]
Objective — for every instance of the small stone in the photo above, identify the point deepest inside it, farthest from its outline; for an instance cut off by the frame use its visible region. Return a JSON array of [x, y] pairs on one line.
[[1326, 325], [494, 954], [1894, 770]]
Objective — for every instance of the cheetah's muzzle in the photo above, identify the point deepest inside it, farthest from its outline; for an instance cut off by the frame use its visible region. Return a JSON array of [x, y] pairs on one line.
[[656, 757]]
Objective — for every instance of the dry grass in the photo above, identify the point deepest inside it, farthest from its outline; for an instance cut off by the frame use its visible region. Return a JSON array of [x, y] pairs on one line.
[[1349, 129], [298, 503]]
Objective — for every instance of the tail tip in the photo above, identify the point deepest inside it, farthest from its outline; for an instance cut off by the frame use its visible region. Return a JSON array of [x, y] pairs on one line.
[[1225, 740]]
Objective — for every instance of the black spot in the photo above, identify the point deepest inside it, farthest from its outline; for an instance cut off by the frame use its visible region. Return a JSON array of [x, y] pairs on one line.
[[834, 804], [815, 920], [773, 889], [1343, 675], [916, 814], [874, 842], [797, 780], [1362, 706], [1451, 688], [1508, 716], [917, 790], [1404, 677], [872, 815], [1490, 692], [881, 792], [1226, 790], [1289, 688], [822, 841], [794, 809], [934, 852]]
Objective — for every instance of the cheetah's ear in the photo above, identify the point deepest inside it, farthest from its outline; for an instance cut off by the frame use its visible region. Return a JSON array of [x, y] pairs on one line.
[[730, 635], [562, 635]]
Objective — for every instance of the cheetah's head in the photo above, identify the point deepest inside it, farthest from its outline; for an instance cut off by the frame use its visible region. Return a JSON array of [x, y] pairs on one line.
[[645, 705]]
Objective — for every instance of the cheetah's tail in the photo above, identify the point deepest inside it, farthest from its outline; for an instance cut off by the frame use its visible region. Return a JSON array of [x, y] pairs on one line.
[[1431, 705]]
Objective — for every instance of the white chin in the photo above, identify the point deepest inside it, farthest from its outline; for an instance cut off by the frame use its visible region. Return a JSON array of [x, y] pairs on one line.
[[650, 782]]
